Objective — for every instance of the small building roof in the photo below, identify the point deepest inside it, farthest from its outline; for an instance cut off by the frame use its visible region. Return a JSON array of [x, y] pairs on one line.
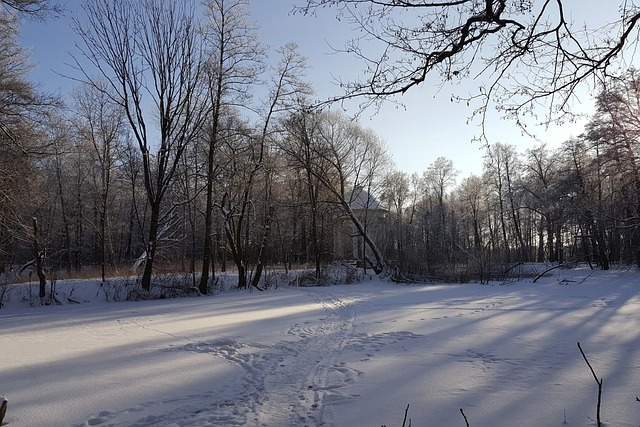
[[361, 200]]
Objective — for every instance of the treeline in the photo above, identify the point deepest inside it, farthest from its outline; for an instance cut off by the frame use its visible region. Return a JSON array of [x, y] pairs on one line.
[[579, 202], [184, 149]]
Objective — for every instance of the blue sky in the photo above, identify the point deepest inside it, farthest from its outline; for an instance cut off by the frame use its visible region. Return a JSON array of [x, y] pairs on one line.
[[429, 126]]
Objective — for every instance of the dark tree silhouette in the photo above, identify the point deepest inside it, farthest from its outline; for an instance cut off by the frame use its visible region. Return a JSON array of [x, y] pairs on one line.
[[531, 53]]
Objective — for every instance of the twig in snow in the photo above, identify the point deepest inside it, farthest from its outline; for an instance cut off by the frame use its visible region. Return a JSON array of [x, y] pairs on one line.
[[3, 408], [599, 382], [466, 421], [404, 422], [589, 275], [406, 412]]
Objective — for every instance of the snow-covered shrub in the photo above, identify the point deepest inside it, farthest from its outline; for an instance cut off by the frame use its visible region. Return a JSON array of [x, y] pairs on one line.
[[117, 290], [271, 279], [173, 285]]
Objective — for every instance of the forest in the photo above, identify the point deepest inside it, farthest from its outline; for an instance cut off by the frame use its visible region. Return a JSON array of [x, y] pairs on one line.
[[182, 149]]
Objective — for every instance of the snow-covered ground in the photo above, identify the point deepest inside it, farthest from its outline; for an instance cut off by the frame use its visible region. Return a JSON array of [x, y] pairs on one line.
[[344, 355]]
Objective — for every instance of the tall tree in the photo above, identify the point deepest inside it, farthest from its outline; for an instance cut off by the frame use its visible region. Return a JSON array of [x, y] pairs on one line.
[[583, 184], [286, 91], [149, 53], [438, 179], [233, 64], [23, 116], [501, 168], [542, 183], [615, 131], [396, 189]]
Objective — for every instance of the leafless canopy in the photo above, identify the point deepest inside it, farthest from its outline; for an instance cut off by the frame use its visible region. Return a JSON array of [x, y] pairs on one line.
[[31, 8], [533, 52]]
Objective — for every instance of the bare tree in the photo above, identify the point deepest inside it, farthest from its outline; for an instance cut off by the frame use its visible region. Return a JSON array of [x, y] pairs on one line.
[[501, 170], [543, 184], [438, 180], [396, 193], [528, 50], [21, 106], [297, 147], [13, 158], [233, 64], [23, 116], [472, 201], [32, 8], [345, 159], [286, 91], [101, 131], [149, 53], [614, 131]]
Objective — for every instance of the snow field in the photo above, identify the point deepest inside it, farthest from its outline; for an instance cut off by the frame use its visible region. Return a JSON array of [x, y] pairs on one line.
[[346, 355]]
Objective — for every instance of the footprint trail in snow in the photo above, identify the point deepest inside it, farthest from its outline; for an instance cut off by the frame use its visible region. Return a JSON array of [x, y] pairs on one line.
[[289, 383], [285, 384]]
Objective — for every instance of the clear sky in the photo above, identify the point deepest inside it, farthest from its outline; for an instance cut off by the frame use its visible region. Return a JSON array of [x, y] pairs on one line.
[[430, 125]]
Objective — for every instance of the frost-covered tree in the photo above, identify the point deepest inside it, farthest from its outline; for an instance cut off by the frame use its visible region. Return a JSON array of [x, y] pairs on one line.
[[23, 114], [545, 198], [285, 92], [614, 131], [346, 160], [101, 134]]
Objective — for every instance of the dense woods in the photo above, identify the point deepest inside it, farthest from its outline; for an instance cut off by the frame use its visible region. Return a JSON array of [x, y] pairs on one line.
[[209, 159]]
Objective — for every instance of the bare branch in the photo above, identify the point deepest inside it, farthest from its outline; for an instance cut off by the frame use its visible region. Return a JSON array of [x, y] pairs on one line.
[[532, 56]]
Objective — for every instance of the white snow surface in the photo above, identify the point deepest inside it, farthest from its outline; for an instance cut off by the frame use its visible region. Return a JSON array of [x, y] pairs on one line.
[[342, 355]]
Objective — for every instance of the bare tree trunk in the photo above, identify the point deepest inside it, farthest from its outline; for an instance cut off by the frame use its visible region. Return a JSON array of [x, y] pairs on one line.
[[39, 260], [3, 408], [151, 247], [237, 253], [65, 218], [313, 198], [208, 221], [263, 245]]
